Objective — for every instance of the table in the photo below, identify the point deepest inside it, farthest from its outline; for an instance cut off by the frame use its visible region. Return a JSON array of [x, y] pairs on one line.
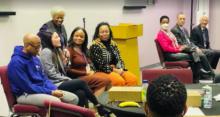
[[139, 112]]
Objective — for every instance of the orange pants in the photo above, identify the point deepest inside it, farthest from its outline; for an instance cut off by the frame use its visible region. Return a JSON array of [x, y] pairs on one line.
[[126, 79]]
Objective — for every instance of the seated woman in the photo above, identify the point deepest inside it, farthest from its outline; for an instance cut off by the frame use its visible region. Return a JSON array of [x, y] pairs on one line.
[[53, 61], [174, 51], [106, 58], [80, 63]]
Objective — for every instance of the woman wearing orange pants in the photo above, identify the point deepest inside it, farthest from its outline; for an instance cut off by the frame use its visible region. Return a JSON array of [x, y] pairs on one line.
[[106, 58]]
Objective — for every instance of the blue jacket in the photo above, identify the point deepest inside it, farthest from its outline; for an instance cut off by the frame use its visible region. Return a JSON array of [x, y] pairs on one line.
[[26, 74]]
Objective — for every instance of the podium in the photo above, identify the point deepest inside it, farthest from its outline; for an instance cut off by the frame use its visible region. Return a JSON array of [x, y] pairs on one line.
[[126, 35]]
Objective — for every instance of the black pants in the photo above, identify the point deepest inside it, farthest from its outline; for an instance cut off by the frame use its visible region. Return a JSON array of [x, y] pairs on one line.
[[213, 56], [195, 63], [81, 89]]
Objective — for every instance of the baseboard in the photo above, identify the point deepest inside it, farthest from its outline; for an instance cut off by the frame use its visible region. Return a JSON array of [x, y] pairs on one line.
[[155, 65]]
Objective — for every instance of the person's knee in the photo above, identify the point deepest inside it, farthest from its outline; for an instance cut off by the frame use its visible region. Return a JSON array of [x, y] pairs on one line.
[[203, 57], [82, 83], [130, 78], [53, 98], [107, 81], [70, 98], [119, 82], [75, 100]]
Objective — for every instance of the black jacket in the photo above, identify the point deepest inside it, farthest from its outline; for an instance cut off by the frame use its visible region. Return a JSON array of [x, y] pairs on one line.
[[197, 37]]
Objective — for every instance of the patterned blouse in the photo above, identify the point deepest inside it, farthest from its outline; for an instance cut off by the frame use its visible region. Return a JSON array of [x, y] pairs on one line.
[[102, 56]]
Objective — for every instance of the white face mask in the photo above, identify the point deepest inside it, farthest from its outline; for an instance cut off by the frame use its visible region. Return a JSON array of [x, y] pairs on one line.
[[164, 26]]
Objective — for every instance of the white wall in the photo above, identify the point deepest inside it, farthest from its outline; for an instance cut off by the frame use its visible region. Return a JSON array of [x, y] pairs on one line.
[[214, 32], [31, 14]]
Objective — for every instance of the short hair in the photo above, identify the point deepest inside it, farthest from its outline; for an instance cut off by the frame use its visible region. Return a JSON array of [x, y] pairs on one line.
[[204, 17], [166, 96], [56, 10], [96, 34], [180, 13], [164, 17]]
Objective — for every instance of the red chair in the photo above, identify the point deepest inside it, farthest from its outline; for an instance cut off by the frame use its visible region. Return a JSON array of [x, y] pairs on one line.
[[18, 109], [183, 75], [60, 109], [169, 64]]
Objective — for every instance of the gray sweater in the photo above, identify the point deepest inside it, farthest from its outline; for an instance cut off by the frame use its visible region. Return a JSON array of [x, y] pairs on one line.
[[50, 67]]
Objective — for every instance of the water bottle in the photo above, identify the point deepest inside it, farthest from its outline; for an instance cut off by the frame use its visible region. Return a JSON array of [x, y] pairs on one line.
[[207, 99], [144, 90]]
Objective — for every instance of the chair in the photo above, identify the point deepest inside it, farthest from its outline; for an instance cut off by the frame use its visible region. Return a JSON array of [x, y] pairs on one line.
[[17, 109], [169, 64], [60, 109], [183, 75]]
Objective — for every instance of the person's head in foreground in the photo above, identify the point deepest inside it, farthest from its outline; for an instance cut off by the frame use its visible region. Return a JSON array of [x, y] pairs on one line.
[[166, 97]]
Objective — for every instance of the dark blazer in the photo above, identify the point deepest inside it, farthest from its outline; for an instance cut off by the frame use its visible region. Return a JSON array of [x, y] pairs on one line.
[[179, 34], [197, 38], [47, 30]]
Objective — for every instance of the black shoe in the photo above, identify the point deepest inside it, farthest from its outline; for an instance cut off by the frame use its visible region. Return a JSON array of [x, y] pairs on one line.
[[202, 71], [103, 111]]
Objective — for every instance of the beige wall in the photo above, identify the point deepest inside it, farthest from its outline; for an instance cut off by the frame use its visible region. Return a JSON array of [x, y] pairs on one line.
[[31, 14], [214, 23]]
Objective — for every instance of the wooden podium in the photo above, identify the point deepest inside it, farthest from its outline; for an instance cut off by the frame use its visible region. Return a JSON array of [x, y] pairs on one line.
[[125, 35]]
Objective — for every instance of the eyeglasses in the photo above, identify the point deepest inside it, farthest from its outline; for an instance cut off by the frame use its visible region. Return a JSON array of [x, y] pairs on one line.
[[35, 47]]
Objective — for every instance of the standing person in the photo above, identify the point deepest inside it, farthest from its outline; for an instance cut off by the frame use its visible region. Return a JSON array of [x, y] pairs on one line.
[[182, 37], [54, 25], [28, 82], [173, 51], [166, 97], [200, 37], [54, 61], [106, 57], [80, 64]]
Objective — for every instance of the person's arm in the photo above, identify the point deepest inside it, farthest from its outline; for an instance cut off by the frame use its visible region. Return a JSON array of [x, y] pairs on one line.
[[208, 43], [46, 57], [120, 64], [72, 71], [195, 38], [75, 72], [19, 76], [97, 59], [177, 35]]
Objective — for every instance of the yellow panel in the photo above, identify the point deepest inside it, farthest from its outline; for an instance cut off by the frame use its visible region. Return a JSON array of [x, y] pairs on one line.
[[129, 53], [134, 94], [139, 27], [124, 31], [125, 94], [125, 35]]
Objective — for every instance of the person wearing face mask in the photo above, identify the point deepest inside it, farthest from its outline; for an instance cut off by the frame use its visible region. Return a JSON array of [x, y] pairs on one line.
[[174, 52], [182, 37], [105, 56], [200, 37]]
